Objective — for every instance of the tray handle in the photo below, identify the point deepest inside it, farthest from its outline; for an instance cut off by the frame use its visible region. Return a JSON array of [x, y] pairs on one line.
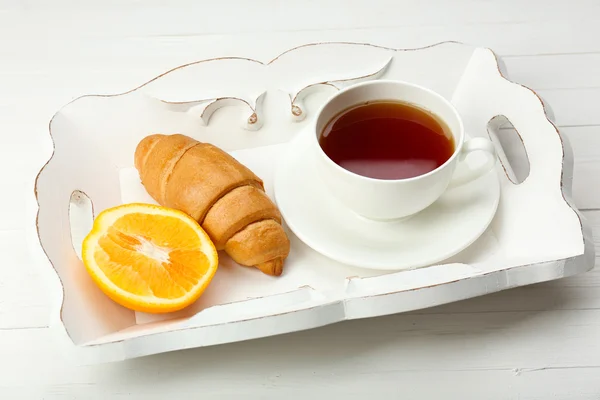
[[484, 94]]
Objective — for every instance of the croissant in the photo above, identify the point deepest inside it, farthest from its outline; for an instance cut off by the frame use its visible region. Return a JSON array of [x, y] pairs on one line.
[[224, 196]]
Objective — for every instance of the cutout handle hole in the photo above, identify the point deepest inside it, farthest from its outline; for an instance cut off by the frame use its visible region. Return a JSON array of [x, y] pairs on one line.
[[510, 148], [81, 219]]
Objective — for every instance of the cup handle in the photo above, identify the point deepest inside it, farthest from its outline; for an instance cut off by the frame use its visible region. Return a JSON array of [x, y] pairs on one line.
[[466, 174]]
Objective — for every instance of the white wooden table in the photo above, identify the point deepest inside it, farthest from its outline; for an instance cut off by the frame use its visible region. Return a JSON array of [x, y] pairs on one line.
[[536, 342]]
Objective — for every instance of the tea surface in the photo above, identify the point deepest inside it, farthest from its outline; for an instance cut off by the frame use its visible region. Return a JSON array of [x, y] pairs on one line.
[[387, 140]]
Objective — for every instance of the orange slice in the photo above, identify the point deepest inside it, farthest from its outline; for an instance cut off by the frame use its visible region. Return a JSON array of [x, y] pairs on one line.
[[149, 258]]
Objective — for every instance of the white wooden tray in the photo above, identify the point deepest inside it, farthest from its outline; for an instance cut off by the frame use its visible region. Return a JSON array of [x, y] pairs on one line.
[[253, 109]]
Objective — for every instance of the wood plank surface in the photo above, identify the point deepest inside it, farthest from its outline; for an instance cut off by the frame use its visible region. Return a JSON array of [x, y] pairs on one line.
[[536, 342]]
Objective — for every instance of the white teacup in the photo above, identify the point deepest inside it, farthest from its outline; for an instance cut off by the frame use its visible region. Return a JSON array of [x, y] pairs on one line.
[[383, 199]]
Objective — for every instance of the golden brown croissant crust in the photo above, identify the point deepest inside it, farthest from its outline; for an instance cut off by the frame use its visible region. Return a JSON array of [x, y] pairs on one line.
[[223, 195]]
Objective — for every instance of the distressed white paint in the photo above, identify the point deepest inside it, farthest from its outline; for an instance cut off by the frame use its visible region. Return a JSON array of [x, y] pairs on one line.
[[537, 342], [535, 235]]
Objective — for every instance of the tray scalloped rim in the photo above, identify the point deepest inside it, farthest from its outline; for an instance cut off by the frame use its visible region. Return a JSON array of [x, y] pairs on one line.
[[324, 314]]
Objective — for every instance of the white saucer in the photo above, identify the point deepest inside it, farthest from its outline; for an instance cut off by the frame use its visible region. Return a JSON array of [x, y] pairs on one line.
[[451, 224]]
